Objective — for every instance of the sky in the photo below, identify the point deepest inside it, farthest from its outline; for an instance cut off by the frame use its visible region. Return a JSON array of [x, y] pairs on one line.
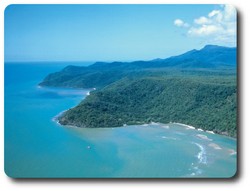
[[113, 32]]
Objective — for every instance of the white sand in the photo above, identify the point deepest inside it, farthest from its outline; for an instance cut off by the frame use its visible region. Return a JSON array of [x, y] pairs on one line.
[[165, 126], [169, 138], [210, 132], [153, 123], [188, 126]]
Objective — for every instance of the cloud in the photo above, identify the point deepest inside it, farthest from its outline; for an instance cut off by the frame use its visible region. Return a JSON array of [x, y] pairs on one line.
[[202, 20], [180, 23], [212, 13], [205, 30], [218, 26]]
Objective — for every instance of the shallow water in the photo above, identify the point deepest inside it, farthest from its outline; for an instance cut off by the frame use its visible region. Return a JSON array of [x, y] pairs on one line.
[[36, 146]]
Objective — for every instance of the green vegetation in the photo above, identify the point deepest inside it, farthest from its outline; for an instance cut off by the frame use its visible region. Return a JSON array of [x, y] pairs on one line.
[[209, 104], [197, 88], [208, 61]]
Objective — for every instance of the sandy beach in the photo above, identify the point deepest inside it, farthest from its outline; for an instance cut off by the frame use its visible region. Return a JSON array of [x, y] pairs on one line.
[[188, 126]]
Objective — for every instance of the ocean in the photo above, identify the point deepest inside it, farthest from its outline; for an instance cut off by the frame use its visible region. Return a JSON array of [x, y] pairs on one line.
[[36, 146]]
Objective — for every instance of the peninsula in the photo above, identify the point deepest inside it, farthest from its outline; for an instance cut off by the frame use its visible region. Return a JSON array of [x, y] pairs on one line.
[[198, 88]]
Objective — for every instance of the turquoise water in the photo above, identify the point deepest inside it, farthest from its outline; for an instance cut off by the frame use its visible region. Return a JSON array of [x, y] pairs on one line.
[[36, 146]]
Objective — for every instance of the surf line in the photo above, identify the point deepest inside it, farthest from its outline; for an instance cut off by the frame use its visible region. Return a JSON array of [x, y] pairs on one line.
[[202, 158]]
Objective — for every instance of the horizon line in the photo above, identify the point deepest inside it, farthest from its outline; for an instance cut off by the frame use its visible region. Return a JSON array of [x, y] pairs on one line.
[[129, 60]]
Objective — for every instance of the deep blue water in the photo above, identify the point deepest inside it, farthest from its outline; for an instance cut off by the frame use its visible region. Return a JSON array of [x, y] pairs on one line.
[[36, 146]]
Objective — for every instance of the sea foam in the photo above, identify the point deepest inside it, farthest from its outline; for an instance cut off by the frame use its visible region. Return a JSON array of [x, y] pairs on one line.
[[202, 158]]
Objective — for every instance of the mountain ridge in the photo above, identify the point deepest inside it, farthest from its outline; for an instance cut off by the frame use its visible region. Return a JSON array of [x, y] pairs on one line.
[[96, 75]]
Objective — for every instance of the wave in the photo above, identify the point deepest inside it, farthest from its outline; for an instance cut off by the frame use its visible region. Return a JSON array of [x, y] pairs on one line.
[[55, 118], [195, 170], [169, 138], [215, 146], [232, 152], [203, 137], [202, 158]]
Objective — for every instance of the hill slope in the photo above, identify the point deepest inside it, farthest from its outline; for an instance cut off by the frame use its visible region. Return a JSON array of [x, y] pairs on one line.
[[204, 103], [197, 88]]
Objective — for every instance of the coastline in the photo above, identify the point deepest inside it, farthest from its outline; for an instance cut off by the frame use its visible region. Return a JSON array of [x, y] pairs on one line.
[[202, 130], [198, 129], [55, 118], [185, 125], [164, 125]]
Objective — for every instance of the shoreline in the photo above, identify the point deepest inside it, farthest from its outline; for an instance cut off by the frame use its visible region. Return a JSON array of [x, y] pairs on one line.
[[55, 118], [202, 130], [164, 125], [185, 125], [198, 129]]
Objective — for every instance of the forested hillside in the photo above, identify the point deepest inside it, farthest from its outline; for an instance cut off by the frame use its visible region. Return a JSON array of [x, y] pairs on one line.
[[209, 60], [209, 104], [198, 88]]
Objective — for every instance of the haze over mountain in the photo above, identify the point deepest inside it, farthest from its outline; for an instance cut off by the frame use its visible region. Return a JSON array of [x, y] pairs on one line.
[[100, 74]]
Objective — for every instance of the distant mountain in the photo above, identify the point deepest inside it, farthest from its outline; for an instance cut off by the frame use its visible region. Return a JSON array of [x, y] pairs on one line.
[[100, 74], [211, 56]]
